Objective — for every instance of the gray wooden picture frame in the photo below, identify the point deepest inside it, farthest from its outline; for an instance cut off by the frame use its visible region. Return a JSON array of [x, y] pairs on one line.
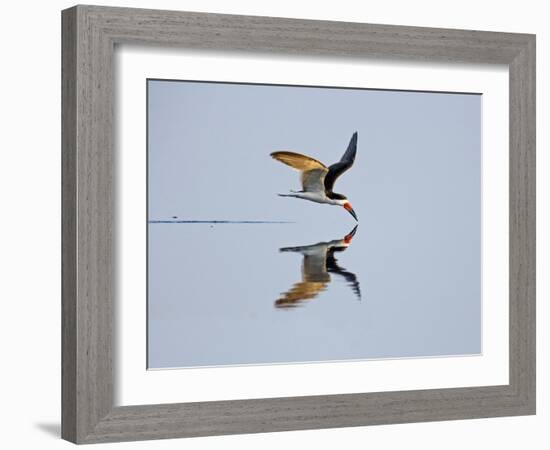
[[89, 37]]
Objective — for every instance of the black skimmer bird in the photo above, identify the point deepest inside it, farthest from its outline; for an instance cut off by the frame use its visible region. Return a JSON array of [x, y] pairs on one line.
[[318, 263], [317, 179]]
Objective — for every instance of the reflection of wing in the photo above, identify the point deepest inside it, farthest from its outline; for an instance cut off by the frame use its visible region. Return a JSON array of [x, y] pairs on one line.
[[303, 290], [315, 277], [319, 262], [312, 171], [333, 267]]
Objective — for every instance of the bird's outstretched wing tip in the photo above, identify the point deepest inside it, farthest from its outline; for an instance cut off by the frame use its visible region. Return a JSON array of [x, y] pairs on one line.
[[279, 155], [297, 160]]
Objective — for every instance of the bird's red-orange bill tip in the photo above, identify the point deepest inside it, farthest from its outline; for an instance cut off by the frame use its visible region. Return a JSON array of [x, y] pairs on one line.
[[349, 209]]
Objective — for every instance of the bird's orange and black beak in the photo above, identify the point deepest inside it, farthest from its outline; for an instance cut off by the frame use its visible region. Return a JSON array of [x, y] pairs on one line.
[[349, 209]]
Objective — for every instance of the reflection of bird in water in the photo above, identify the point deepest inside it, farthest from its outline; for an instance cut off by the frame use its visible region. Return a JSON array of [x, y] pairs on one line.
[[319, 262], [317, 179]]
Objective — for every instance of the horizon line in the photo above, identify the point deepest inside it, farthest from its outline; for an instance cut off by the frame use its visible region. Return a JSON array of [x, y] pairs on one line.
[[219, 221]]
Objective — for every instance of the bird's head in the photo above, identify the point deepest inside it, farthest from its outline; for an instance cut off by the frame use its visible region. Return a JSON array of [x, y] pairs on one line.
[[348, 208]]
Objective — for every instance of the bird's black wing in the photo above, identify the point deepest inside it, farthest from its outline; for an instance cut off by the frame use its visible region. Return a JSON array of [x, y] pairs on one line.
[[337, 169], [350, 277]]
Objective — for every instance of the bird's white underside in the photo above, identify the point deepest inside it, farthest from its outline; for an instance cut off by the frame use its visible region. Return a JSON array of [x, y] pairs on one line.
[[318, 197]]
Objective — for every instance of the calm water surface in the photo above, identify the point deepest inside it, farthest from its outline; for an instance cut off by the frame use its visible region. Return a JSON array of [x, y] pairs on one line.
[[225, 293]]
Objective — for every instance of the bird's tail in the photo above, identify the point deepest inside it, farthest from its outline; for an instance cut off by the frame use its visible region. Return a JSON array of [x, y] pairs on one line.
[[293, 194]]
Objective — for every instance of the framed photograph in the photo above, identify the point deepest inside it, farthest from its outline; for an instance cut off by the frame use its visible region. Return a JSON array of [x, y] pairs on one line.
[[278, 224]]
